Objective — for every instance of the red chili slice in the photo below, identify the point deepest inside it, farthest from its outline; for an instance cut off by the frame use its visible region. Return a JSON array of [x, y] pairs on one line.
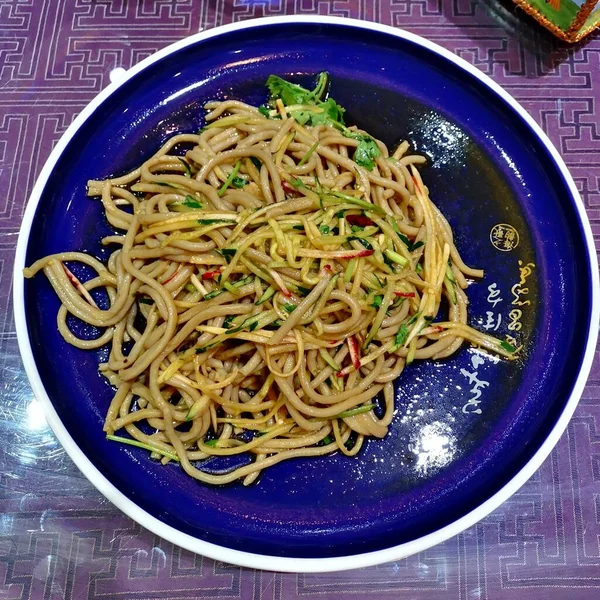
[[172, 276], [70, 276], [405, 294], [417, 184], [211, 274], [356, 254], [354, 352], [359, 220]]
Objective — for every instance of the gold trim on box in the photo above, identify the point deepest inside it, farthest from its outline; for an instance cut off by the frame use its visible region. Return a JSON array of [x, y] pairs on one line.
[[572, 34], [584, 12], [586, 31]]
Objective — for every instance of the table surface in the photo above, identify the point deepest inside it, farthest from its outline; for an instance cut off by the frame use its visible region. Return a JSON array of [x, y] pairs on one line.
[[59, 538]]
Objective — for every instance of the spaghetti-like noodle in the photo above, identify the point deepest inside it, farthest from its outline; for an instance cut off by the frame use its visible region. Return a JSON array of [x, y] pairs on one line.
[[275, 273]]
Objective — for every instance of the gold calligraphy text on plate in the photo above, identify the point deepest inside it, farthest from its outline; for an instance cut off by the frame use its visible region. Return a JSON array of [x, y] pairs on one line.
[[504, 237]]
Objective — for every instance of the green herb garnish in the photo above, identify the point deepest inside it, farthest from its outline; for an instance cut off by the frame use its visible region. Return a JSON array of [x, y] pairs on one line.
[[230, 178], [307, 156], [190, 202], [268, 293], [251, 323], [335, 197], [239, 182], [298, 183], [316, 111], [129, 442], [236, 284], [359, 410], [186, 166], [228, 253], [289, 93], [302, 290], [508, 347], [215, 221], [401, 336], [377, 300], [367, 245], [367, 150], [411, 247]]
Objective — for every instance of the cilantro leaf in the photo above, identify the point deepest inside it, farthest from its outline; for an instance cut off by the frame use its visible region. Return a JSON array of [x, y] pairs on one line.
[[332, 113], [292, 94], [303, 116], [401, 336], [411, 247], [367, 150], [228, 253], [366, 153], [377, 301], [190, 202], [289, 93], [238, 182], [321, 88]]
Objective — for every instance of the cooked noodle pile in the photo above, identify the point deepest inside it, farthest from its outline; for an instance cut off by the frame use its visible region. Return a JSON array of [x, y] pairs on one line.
[[272, 277]]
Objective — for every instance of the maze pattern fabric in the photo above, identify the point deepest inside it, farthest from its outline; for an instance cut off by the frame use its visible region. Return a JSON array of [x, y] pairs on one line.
[[59, 538]]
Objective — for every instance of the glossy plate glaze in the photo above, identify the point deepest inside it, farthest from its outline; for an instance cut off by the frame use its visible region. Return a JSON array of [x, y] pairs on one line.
[[468, 431]]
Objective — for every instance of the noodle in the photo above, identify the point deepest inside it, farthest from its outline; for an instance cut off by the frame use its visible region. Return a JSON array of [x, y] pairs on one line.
[[272, 275]]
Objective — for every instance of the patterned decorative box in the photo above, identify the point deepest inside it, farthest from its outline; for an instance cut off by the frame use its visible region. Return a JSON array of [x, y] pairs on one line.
[[570, 20]]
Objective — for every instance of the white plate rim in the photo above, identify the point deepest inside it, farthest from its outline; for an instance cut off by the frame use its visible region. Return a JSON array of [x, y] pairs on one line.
[[261, 561]]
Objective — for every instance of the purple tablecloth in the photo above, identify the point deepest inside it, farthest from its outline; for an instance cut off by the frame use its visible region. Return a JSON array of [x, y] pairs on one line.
[[59, 538]]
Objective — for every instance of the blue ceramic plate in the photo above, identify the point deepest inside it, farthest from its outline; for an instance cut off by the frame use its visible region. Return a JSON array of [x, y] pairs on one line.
[[467, 431]]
